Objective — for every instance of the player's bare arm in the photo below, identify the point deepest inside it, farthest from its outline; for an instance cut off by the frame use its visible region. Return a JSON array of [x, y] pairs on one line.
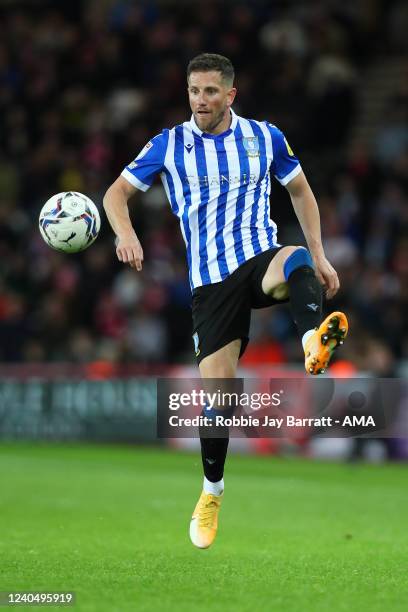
[[128, 247], [307, 211]]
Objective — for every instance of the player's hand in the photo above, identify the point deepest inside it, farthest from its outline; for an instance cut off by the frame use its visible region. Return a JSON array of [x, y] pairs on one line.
[[327, 276], [129, 250]]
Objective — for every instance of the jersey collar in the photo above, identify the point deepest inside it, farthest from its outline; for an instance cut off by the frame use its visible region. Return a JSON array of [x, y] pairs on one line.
[[196, 129]]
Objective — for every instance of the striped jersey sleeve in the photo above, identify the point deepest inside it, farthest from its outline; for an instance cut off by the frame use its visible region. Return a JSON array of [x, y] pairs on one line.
[[150, 161], [285, 165]]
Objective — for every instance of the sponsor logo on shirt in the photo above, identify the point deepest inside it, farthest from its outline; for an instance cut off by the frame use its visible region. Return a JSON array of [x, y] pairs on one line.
[[216, 180]]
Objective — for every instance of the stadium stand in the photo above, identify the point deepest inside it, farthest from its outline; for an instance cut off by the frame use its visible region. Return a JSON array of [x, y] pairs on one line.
[[84, 85]]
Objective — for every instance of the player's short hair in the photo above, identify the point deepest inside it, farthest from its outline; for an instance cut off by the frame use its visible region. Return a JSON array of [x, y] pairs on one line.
[[206, 62]]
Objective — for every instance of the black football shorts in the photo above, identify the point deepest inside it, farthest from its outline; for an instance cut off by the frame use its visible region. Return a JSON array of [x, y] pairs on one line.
[[222, 311]]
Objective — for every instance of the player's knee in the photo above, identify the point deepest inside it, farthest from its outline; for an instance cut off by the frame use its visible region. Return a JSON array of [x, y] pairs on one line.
[[299, 258], [226, 370], [222, 363]]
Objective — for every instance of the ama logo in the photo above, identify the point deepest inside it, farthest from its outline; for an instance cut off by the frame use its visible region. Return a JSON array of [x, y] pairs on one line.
[[359, 421]]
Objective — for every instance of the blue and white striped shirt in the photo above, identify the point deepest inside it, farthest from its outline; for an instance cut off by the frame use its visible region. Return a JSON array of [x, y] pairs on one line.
[[219, 187]]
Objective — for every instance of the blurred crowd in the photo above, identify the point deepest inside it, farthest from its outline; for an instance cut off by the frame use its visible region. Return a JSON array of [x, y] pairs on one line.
[[83, 87]]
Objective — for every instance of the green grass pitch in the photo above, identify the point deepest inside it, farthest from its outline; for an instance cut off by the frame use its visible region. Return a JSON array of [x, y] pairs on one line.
[[111, 524]]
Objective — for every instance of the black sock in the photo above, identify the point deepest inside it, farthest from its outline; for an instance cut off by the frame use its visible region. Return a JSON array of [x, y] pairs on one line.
[[305, 294], [213, 454]]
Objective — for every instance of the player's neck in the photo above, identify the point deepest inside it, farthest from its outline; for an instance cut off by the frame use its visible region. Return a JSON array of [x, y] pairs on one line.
[[223, 125]]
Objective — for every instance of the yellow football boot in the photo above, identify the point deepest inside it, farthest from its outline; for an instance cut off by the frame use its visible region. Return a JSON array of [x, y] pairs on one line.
[[320, 346], [204, 522]]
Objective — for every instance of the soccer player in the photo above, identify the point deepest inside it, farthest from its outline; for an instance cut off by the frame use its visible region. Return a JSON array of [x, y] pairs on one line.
[[215, 170]]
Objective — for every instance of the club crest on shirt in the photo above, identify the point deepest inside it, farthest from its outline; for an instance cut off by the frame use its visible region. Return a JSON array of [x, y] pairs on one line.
[[251, 145]]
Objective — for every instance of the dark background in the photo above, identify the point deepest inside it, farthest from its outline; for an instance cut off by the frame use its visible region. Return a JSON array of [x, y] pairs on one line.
[[84, 85]]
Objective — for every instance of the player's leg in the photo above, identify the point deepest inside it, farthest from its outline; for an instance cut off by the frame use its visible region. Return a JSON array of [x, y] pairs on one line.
[[221, 364], [291, 269], [221, 319]]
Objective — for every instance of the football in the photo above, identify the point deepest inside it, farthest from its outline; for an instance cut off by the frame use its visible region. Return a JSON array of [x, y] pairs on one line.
[[69, 222]]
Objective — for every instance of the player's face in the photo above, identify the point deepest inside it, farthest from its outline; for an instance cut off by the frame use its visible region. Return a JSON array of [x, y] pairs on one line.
[[210, 100]]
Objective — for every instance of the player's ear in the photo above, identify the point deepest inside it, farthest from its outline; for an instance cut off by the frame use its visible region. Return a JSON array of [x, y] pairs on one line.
[[231, 96]]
